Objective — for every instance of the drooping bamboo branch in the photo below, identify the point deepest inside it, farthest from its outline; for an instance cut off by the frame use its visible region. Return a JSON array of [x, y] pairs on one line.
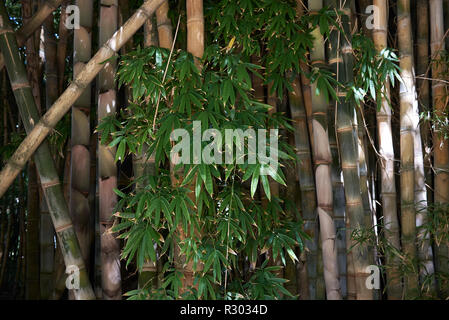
[[44, 162], [45, 125], [386, 152]]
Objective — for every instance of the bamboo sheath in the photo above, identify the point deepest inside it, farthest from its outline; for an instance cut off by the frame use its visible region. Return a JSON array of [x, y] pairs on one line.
[[323, 159], [388, 187], [45, 125], [45, 165], [408, 112], [441, 146], [28, 29], [107, 175]]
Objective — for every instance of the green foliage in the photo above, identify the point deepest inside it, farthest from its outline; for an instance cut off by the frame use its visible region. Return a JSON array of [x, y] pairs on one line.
[[211, 197], [371, 71]]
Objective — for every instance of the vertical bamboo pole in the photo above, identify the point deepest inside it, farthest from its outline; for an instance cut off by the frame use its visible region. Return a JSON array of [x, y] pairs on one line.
[[408, 120], [348, 147], [142, 164], [441, 146], [80, 135], [423, 174], [46, 228], [386, 151], [323, 159], [107, 106], [306, 182]]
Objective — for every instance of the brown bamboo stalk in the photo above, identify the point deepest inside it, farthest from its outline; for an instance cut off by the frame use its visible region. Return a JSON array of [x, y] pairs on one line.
[[423, 174], [386, 151], [45, 125], [441, 146]]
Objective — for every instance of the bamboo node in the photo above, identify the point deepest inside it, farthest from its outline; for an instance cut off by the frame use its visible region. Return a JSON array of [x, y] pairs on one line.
[[63, 227], [20, 85], [50, 184]]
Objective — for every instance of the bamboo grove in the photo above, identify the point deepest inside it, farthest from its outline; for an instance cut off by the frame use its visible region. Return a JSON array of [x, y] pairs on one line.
[[111, 111]]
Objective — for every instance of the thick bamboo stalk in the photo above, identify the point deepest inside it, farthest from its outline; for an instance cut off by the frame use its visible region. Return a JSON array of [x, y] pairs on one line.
[[45, 125], [338, 187], [386, 151], [323, 159], [423, 175], [107, 175], [44, 162], [348, 147], [306, 183], [408, 106], [80, 136], [441, 146]]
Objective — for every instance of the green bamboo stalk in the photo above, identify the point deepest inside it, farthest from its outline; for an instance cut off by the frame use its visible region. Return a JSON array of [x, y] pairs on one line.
[[44, 162], [349, 156], [386, 151], [46, 228], [323, 160]]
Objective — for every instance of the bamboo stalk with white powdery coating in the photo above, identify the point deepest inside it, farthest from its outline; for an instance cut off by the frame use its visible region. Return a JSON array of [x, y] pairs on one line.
[[408, 113], [46, 124], [46, 169], [323, 159]]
